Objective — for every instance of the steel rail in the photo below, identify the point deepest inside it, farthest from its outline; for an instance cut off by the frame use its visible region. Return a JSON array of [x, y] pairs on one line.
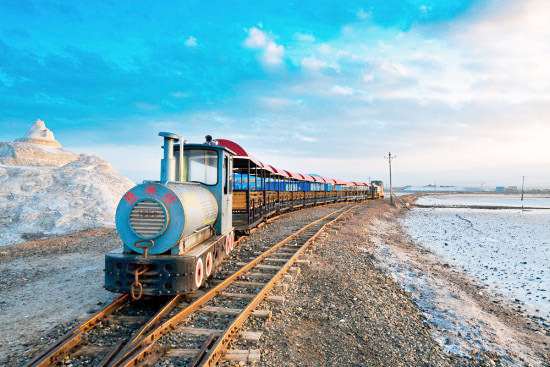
[[122, 349], [217, 351], [147, 349], [73, 337]]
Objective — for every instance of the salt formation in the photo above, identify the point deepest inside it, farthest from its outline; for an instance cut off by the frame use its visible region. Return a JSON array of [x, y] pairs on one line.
[[40, 134], [46, 190], [37, 148]]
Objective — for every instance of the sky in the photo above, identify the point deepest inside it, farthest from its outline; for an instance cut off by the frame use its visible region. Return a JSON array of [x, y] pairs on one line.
[[458, 90]]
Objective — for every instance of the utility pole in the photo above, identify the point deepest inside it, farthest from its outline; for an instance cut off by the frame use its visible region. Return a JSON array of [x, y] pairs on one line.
[[389, 158], [522, 183]]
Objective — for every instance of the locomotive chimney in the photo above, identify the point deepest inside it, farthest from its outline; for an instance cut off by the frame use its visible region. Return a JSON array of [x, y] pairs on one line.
[[168, 163]]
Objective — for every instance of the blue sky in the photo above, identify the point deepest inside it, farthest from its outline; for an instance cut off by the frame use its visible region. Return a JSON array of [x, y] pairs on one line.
[[457, 89]]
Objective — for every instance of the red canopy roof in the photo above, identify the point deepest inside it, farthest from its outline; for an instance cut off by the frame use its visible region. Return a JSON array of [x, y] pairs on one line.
[[307, 177], [279, 172], [267, 167], [293, 175], [238, 150], [241, 153]]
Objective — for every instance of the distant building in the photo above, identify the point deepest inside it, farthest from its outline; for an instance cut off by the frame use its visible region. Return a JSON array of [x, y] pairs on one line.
[[500, 188]]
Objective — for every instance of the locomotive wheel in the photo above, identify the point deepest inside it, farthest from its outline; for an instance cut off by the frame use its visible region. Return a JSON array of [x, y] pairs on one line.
[[208, 264], [198, 273]]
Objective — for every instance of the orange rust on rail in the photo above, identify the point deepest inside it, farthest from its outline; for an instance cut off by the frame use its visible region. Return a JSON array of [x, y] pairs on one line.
[[67, 341], [130, 346]]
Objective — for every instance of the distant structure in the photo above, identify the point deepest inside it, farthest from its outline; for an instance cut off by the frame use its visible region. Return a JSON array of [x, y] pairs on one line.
[[40, 134]]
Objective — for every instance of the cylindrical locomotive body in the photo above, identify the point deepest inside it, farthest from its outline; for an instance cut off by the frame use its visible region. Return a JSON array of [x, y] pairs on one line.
[[162, 216], [175, 232]]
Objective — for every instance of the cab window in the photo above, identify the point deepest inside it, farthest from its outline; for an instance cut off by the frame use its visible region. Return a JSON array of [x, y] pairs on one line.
[[202, 166]]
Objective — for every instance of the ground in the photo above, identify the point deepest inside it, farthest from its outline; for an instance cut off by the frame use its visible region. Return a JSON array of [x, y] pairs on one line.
[[345, 308]]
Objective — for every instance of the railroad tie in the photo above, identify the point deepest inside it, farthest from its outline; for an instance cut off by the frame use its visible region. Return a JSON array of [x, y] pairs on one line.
[[242, 283], [275, 260], [281, 287], [233, 355], [294, 270], [277, 299], [260, 266], [258, 275], [250, 336], [263, 314]]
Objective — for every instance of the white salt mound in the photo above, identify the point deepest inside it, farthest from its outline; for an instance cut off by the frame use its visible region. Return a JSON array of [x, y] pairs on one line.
[[46, 190], [40, 134], [37, 148]]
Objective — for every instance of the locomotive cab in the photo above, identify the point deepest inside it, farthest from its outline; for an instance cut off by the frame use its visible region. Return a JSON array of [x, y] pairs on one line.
[[176, 230]]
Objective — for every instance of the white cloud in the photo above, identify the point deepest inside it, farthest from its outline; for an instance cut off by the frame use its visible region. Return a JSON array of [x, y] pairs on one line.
[[304, 37], [367, 78], [272, 54], [510, 45], [326, 50], [180, 95], [146, 106], [392, 67], [307, 139], [425, 9], [191, 42], [361, 14], [313, 63], [256, 38], [277, 103], [345, 91]]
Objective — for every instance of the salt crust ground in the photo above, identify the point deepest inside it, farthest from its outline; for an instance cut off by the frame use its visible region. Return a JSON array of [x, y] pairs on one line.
[[466, 314], [509, 250], [45, 283], [509, 200]]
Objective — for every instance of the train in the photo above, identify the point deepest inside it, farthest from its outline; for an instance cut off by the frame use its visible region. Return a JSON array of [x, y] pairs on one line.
[[177, 230]]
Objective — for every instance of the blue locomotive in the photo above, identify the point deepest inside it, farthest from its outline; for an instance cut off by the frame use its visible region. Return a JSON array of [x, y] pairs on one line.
[[177, 230]]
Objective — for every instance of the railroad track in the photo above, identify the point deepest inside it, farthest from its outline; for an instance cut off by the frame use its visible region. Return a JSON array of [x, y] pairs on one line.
[[187, 331]]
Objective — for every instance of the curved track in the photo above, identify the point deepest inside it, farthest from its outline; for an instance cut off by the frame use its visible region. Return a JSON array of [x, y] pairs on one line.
[[125, 335]]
